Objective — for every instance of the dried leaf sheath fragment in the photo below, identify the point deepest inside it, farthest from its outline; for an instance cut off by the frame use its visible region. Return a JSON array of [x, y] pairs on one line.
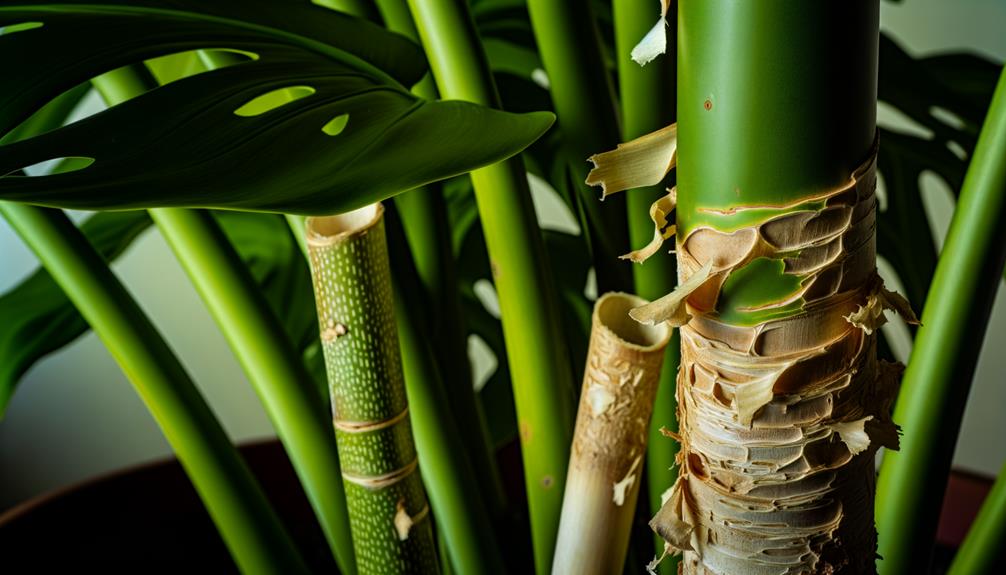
[[352, 283], [655, 41], [663, 229], [636, 164], [612, 425]]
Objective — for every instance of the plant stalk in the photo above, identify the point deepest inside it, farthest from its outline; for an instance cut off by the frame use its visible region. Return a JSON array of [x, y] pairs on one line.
[[451, 481], [537, 355], [982, 549], [609, 444], [584, 100], [388, 512], [782, 402], [649, 100], [423, 212], [940, 370], [250, 528], [258, 339]]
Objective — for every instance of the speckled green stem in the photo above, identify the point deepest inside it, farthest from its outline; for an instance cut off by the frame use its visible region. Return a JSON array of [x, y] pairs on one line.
[[388, 512]]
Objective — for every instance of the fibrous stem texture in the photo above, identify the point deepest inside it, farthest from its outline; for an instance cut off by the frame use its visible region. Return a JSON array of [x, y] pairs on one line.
[[609, 445], [782, 402]]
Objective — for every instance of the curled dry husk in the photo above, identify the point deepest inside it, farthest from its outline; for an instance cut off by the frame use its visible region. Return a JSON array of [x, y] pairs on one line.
[[612, 423], [780, 419]]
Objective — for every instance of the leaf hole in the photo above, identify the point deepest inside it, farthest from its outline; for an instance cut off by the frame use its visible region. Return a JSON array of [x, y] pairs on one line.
[[273, 100], [485, 291], [180, 65], [957, 149], [236, 56], [336, 125], [947, 117], [54, 166], [20, 27], [483, 361]]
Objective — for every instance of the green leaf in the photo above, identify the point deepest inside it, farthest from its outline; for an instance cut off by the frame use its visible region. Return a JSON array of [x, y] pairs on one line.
[[38, 319], [183, 145], [931, 91]]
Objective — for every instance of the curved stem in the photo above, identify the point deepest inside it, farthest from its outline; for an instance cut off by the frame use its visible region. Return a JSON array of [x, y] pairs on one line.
[[936, 384], [250, 528], [259, 341], [537, 355], [983, 546]]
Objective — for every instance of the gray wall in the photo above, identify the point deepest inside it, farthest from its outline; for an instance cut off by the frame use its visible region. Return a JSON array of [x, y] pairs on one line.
[[75, 416]]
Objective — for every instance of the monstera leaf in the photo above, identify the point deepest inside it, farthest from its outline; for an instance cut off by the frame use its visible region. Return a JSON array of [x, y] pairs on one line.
[[569, 265], [353, 134], [948, 96], [38, 319]]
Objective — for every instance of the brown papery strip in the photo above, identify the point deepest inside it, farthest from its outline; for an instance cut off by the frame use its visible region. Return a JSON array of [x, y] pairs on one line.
[[612, 424]]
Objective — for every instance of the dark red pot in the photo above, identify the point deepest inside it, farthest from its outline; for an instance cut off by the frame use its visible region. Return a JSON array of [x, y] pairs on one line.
[[147, 520]]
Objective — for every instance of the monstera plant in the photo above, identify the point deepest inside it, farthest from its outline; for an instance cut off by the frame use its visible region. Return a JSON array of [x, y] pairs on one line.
[[227, 123]]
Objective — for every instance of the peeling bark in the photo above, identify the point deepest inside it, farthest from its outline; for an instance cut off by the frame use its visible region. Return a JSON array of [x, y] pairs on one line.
[[623, 368], [782, 402]]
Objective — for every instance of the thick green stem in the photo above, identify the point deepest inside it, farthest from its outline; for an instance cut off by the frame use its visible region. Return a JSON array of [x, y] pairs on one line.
[[450, 479], [982, 550], [649, 102], [776, 100], [253, 331], [249, 527], [388, 511], [936, 383], [537, 355], [584, 101], [782, 401], [424, 216]]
